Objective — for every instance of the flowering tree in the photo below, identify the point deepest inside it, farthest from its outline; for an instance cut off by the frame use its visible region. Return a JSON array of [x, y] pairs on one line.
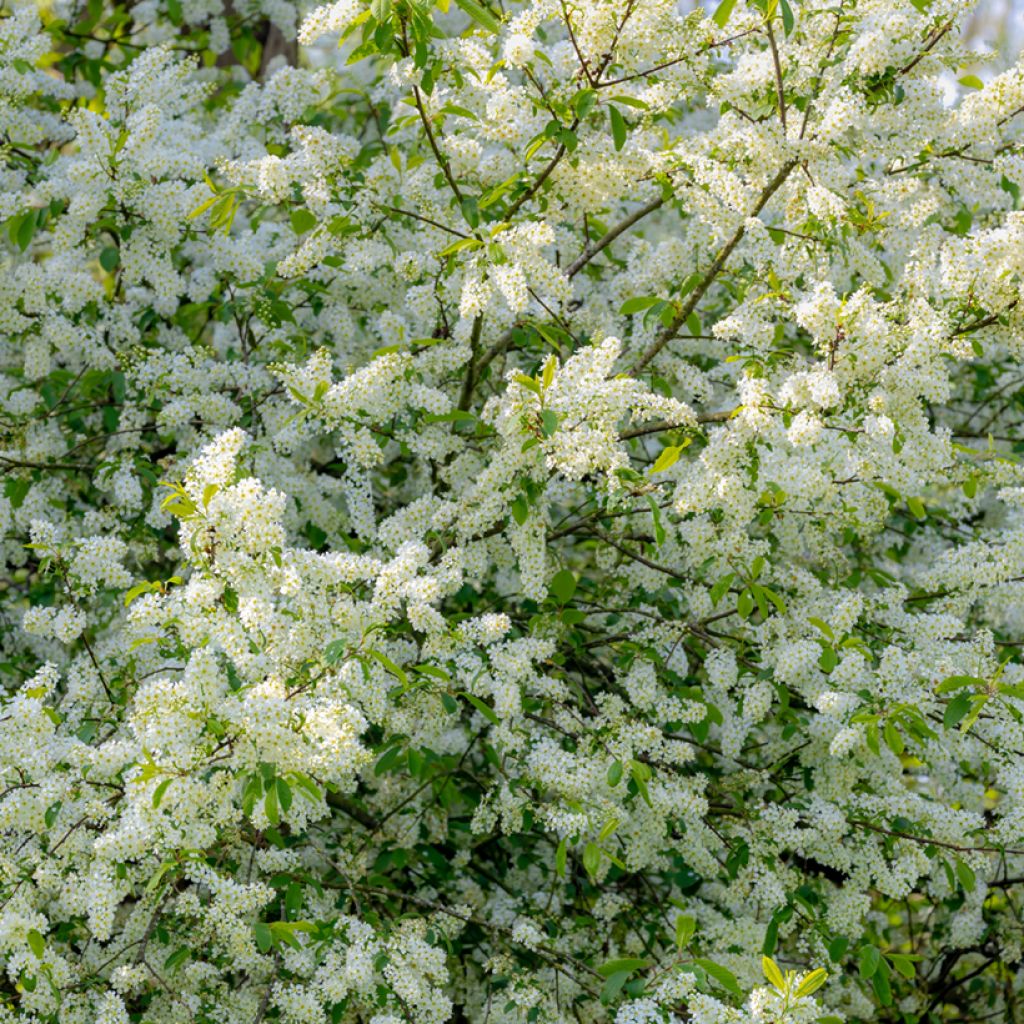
[[521, 523]]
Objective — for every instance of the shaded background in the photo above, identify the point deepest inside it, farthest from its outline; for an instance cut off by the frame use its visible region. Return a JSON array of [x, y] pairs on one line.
[[998, 25]]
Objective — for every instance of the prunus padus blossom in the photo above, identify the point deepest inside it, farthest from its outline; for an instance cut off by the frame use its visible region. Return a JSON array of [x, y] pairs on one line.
[[517, 518]]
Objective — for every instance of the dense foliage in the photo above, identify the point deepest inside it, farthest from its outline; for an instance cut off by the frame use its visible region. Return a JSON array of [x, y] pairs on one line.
[[519, 518]]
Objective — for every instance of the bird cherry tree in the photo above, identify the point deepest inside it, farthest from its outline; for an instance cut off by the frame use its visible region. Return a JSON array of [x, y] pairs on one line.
[[510, 511]]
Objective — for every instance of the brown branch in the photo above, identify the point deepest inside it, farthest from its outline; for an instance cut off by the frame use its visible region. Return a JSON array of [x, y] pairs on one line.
[[713, 271], [438, 155], [778, 75], [928, 841], [605, 240], [928, 47]]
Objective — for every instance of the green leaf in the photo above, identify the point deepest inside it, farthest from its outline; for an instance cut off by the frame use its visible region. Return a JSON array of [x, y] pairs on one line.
[[638, 304], [965, 875], [971, 82], [951, 683], [154, 883], [772, 973], [37, 944], [177, 958], [685, 928], [868, 961], [17, 491], [485, 709], [335, 651], [389, 666], [640, 774], [284, 794], [916, 507], [136, 591], [549, 422], [619, 128], [788, 21], [956, 709], [307, 786], [388, 759], [222, 215], [482, 17], [723, 12], [432, 670], [722, 975], [110, 258], [978, 701], [837, 948], [880, 983], [561, 855], [271, 807], [613, 986], [630, 101], [614, 773], [585, 101], [302, 221], [721, 587], [823, 626], [547, 377], [904, 964], [264, 937], [453, 108], [470, 207], [628, 964], [871, 738], [158, 793], [669, 457], [893, 739], [26, 229], [828, 659], [520, 509], [285, 931], [460, 245], [812, 983], [563, 586], [528, 382]]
